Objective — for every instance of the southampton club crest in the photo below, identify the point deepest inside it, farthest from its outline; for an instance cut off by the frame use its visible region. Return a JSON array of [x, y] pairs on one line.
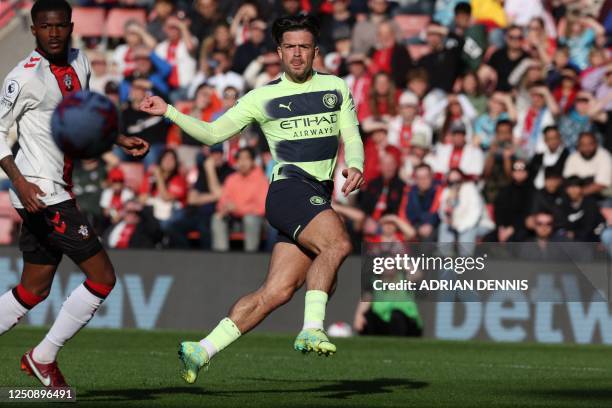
[[84, 231], [68, 82], [330, 100]]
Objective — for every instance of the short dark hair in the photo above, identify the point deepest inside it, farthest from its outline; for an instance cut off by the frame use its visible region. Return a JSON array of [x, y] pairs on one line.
[[417, 74], [587, 134], [537, 84], [41, 6], [562, 47], [463, 8], [549, 128], [514, 27], [202, 85], [544, 212], [573, 181], [423, 166], [503, 122], [249, 150], [295, 23], [552, 172]]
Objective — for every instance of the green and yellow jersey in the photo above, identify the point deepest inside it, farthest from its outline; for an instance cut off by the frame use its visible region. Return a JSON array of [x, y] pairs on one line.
[[301, 121]]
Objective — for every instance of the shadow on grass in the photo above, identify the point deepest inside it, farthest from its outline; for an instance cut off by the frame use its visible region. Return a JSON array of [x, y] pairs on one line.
[[328, 389], [585, 395], [136, 394]]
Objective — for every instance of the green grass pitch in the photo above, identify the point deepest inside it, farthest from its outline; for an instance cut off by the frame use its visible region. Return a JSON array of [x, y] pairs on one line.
[[139, 368]]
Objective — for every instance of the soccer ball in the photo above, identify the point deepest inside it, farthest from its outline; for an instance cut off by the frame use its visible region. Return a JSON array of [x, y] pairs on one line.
[[84, 125], [340, 329]]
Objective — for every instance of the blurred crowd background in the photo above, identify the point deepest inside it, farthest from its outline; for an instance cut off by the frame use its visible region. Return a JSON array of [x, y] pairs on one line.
[[482, 120]]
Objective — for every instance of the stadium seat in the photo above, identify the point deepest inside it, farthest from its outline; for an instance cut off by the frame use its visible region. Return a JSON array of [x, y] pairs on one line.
[[134, 173], [6, 208], [117, 18], [411, 24], [416, 51], [6, 231], [89, 21]]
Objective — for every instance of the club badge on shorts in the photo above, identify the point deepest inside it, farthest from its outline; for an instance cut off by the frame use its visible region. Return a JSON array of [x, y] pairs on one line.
[[317, 200], [84, 231]]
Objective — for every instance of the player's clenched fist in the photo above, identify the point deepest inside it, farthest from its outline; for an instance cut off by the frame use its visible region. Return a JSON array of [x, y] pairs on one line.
[[153, 105]]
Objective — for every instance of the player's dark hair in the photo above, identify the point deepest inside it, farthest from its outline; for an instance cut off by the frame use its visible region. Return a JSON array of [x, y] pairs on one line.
[[295, 23], [41, 6]]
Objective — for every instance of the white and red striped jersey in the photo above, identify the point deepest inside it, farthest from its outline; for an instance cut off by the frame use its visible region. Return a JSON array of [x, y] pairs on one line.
[[30, 93]]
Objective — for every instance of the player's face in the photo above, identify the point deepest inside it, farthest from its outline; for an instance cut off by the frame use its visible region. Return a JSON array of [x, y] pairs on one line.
[[52, 30], [297, 52]]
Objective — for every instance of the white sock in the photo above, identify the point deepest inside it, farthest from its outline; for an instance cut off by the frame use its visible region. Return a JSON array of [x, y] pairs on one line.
[[211, 350], [313, 325], [10, 311], [76, 312]]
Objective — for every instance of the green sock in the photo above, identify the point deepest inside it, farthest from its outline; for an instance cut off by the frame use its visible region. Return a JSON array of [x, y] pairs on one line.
[[222, 336], [314, 309]]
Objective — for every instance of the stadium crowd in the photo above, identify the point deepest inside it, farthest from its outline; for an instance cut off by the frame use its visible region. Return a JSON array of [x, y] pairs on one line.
[[481, 120]]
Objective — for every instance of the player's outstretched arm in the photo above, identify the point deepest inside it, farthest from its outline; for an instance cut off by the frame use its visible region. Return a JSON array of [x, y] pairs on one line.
[[354, 157], [207, 133]]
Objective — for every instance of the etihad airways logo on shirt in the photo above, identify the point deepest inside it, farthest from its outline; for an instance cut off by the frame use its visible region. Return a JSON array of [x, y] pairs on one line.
[[309, 121]]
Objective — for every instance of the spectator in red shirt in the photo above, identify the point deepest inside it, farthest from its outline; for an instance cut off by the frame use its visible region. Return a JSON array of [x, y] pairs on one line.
[[137, 228], [177, 50], [382, 196], [243, 199], [459, 155], [358, 80], [205, 104], [389, 56], [376, 145], [382, 99], [115, 196], [164, 188]]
